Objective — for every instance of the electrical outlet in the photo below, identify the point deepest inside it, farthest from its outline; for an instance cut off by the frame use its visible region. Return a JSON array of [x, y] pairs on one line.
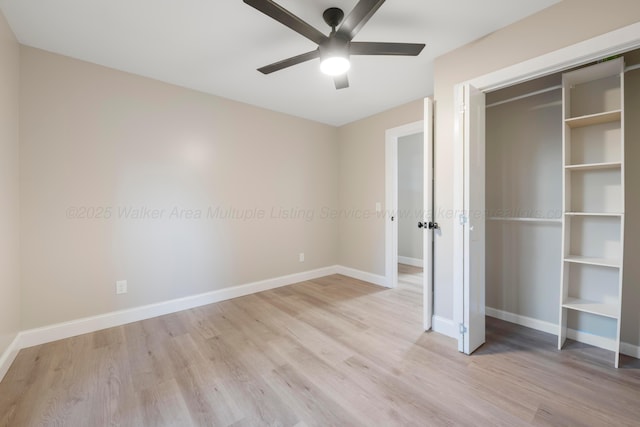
[[301, 257], [121, 287], [378, 207]]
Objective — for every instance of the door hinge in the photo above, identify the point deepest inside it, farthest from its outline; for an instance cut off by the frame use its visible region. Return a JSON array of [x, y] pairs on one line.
[[463, 219], [463, 329]]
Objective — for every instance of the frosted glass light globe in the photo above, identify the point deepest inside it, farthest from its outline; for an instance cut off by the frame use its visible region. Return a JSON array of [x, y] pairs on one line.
[[335, 66]]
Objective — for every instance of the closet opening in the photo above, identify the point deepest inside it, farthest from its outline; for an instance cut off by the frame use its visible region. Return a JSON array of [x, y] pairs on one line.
[[562, 160]]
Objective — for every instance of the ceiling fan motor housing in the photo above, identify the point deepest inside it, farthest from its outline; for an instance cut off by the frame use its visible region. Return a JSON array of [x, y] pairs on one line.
[[335, 45]]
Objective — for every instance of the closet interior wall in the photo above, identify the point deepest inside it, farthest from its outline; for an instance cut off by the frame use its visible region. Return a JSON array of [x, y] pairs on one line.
[[524, 199], [524, 207]]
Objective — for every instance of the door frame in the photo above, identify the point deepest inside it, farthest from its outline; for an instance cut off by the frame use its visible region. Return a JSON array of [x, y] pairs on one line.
[[611, 43], [391, 204], [391, 196]]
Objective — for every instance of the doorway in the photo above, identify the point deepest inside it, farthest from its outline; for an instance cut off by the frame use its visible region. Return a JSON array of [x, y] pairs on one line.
[[415, 217], [410, 193]]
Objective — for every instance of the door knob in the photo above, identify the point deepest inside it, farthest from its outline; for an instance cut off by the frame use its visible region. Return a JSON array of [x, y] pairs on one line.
[[430, 225]]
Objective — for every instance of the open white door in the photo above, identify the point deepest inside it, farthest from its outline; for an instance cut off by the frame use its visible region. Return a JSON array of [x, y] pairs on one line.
[[427, 294], [470, 131]]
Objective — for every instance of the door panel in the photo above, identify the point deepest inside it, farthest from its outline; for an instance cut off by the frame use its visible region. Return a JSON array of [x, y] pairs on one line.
[[474, 225], [428, 216]]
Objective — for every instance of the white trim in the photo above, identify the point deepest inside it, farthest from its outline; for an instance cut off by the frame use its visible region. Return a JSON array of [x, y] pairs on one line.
[[391, 209], [591, 339], [552, 328], [85, 325], [415, 262], [8, 356], [58, 331], [611, 43], [608, 44], [391, 196], [428, 238], [630, 350], [458, 209], [375, 279], [444, 326], [529, 322]]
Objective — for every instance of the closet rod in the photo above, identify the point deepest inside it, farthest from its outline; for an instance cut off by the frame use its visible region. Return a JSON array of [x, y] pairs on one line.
[[632, 67], [525, 219], [526, 95], [541, 91]]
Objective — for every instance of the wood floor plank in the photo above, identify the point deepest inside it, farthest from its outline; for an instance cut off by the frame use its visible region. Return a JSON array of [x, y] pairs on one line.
[[260, 403], [330, 351], [163, 404], [315, 407], [363, 403]]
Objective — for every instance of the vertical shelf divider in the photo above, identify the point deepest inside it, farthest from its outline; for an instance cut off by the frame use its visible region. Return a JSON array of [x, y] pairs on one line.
[[592, 96]]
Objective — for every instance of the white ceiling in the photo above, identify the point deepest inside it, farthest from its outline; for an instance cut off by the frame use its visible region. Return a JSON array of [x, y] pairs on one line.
[[215, 46]]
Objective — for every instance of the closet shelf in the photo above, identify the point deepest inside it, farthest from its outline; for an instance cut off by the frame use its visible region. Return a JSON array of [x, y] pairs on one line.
[[593, 72], [524, 219], [603, 262], [593, 307], [594, 119], [607, 214], [594, 166]]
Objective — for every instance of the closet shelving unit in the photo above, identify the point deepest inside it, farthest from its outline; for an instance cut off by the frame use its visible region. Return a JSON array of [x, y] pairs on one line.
[[593, 198]]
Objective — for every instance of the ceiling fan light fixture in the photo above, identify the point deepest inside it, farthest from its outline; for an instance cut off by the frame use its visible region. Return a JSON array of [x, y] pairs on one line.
[[335, 65], [334, 56], [334, 50]]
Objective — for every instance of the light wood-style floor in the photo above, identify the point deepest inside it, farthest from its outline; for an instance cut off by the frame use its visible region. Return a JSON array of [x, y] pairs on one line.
[[333, 351]]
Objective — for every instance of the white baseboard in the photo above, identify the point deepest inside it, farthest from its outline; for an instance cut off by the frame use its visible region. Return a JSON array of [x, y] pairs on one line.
[[529, 322], [85, 325], [415, 262], [363, 275], [440, 325], [8, 356], [630, 350], [594, 340], [444, 326], [49, 333], [552, 328]]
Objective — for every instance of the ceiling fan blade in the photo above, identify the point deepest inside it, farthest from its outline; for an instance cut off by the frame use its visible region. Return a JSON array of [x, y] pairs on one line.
[[294, 60], [377, 48], [358, 17], [288, 19], [341, 82]]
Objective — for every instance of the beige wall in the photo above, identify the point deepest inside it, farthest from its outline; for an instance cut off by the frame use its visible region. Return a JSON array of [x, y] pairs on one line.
[[9, 202], [561, 25], [96, 143], [362, 181]]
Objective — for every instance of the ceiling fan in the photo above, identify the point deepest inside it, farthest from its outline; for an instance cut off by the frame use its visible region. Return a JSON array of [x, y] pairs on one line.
[[333, 50]]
